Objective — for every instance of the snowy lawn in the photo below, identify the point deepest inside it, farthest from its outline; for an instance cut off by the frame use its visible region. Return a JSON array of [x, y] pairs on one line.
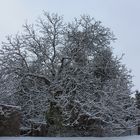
[[71, 138]]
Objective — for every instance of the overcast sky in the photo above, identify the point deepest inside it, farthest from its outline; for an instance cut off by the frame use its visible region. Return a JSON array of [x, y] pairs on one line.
[[122, 16]]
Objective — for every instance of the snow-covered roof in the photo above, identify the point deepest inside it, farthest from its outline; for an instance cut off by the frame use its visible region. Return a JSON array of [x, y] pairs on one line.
[[10, 106]]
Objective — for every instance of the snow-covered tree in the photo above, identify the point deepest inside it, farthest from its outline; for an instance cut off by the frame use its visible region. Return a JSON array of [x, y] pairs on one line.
[[66, 74]]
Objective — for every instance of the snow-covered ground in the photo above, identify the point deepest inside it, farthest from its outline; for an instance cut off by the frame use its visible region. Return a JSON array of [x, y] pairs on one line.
[[71, 138]]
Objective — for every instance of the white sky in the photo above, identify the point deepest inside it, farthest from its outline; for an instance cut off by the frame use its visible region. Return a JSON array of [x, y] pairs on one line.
[[122, 16]]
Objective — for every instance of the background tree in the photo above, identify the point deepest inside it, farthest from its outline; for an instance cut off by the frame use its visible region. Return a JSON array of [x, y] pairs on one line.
[[137, 99]]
